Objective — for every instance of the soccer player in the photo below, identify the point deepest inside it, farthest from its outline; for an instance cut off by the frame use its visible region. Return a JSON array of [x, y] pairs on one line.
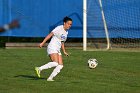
[[58, 37]]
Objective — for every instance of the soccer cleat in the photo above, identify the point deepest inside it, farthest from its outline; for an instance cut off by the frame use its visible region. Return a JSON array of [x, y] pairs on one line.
[[50, 80], [37, 71]]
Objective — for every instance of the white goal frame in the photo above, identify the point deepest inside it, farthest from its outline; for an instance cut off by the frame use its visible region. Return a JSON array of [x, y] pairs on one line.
[[85, 25]]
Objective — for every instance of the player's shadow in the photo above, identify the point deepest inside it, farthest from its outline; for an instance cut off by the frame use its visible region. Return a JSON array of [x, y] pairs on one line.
[[29, 77]]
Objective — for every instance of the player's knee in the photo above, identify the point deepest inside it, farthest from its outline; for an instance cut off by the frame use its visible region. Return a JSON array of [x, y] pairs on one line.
[[60, 66], [52, 64], [56, 63]]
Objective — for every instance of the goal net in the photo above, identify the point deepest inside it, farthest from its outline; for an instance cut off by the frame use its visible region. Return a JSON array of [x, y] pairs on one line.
[[111, 25]]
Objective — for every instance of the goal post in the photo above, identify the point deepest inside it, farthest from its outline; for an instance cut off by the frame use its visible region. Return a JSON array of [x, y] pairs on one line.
[[105, 25], [111, 25], [87, 14], [84, 25]]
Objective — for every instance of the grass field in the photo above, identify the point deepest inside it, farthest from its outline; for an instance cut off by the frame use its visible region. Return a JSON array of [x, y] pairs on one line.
[[117, 72]]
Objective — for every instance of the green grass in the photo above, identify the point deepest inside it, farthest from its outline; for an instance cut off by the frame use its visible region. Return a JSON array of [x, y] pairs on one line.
[[117, 72]]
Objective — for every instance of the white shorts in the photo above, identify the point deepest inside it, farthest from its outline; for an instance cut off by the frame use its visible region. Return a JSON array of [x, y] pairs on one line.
[[51, 51]]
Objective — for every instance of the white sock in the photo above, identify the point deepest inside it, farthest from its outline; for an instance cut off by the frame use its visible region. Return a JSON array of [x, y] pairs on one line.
[[55, 71], [48, 65]]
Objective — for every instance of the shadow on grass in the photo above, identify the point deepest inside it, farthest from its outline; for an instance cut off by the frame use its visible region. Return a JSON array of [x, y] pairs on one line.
[[29, 77]]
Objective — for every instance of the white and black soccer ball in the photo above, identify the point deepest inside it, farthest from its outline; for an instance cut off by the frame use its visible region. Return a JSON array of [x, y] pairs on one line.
[[92, 63]]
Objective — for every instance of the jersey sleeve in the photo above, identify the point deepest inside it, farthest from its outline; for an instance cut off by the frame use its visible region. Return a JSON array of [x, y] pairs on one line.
[[55, 31]]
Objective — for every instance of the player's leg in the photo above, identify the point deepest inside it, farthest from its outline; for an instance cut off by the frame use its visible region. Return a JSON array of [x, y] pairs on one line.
[[53, 54], [57, 69], [53, 63]]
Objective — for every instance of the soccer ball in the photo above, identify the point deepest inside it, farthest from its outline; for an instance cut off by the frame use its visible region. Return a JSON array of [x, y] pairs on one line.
[[92, 63]]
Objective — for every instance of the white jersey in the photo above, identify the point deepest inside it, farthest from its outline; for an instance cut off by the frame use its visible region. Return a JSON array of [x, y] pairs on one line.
[[60, 35]]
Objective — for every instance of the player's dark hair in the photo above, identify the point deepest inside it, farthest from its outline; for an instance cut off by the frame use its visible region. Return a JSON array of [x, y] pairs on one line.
[[66, 19]]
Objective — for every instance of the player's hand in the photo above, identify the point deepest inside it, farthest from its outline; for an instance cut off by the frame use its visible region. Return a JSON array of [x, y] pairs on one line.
[[66, 53], [41, 45]]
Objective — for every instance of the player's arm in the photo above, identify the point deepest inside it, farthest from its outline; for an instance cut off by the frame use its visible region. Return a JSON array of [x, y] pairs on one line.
[[46, 39], [63, 49]]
